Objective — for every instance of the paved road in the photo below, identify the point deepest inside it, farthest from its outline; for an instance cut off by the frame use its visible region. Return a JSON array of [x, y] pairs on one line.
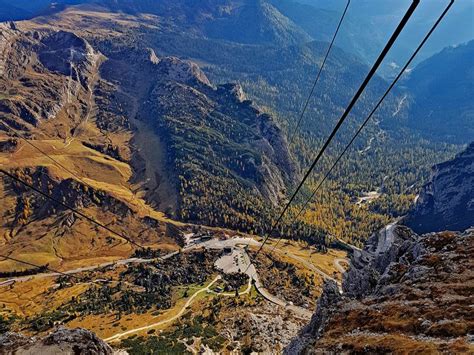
[[249, 241], [210, 244], [74, 271], [239, 260], [252, 273]]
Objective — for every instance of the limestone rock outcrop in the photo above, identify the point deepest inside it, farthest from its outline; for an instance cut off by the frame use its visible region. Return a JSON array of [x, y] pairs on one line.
[[447, 201], [415, 295]]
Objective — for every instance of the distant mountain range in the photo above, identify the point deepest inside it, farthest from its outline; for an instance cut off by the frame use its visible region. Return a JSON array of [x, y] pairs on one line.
[[442, 94], [370, 22]]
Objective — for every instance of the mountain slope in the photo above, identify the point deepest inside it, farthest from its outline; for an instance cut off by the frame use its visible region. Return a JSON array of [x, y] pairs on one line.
[[242, 21], [258, 22], [25, 9], [138, 134], [9, 12], [52, 94], [318, 23]]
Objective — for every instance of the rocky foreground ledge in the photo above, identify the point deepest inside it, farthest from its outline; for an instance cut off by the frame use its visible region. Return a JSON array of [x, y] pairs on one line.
[[63, 341], [403, 293]]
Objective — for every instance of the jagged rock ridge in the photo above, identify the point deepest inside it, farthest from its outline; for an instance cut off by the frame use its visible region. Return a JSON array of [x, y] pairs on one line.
[[184, 93], [218, 149], [410, 295]]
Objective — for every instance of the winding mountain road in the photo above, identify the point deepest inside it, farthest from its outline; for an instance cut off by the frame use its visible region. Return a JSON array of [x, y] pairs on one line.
[[95, 267], [207, 289], [117, 337]]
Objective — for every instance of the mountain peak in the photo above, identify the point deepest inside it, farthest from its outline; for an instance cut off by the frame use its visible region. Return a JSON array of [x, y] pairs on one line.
[[183, 71]]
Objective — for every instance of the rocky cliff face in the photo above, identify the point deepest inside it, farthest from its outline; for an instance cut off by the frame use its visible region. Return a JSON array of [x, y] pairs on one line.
[[447, 201], [403, 293], [232, 132], [62, 341], [42, 73]]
